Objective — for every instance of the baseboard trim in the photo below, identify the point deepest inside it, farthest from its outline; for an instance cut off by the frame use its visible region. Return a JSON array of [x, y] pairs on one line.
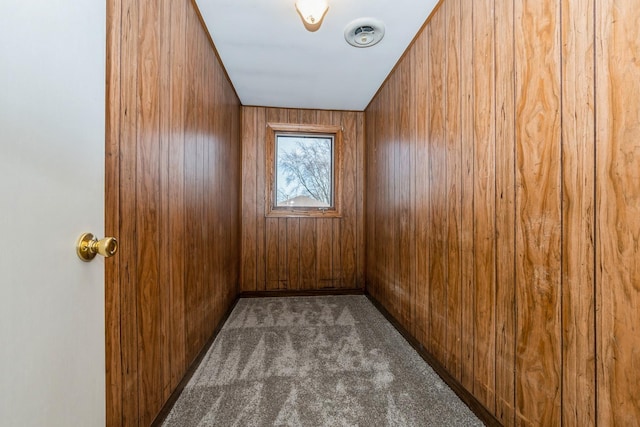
[[476, 407], [302, 293], [164, 412]]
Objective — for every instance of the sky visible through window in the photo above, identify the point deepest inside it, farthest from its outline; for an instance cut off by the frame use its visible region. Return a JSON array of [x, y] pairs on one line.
[[304, 171]]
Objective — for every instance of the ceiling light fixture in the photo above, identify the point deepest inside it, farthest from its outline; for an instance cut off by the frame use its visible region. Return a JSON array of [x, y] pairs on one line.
[[312, 12]]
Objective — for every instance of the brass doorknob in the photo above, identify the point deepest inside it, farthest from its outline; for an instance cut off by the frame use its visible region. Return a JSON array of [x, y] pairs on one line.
[[89, 246]]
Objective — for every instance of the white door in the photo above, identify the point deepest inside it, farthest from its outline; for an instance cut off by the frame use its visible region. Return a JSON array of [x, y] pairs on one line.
[[52, 94]]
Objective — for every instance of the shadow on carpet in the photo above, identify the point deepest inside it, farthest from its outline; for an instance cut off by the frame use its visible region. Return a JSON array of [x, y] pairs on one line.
[[314, 361]]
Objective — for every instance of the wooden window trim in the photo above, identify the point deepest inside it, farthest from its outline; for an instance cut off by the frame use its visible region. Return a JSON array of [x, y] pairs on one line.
[[270, 167]]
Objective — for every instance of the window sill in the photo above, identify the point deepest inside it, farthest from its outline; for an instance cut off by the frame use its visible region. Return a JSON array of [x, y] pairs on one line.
[[303, 213]]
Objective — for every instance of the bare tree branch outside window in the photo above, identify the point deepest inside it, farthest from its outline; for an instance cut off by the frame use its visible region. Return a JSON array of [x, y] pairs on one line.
[[304, 171]]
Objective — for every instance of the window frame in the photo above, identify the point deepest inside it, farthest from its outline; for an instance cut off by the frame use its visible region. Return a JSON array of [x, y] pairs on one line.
[[271, 209]]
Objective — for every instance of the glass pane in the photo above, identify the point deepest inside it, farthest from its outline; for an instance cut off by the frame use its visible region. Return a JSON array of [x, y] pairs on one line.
[[304, 169]]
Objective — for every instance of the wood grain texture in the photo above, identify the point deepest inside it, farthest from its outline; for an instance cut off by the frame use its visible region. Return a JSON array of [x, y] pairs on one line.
[[538, 216], [324, 255], [336, 253], [578, 207], [618, 211], [412, 100], [293, 253], [345, 255], [403, 194], [505, 211], [283, 266], [147, 215], [359, 246], [540, 204], [271, 246], [125, 230], [392, 248], [307, 248], [172, 155], [438, 184], [421, 298], [468, 175], [371, 187], [176, 192], [301, 253], [484, 200], [248, 270], [453, 349], [164, 253]]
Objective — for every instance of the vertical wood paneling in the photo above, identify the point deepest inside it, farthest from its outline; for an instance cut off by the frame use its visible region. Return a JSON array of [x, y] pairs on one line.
[[164, 252], [453, 349], [344, 253], [293, 253], [336, 253], [308, 254], [538, 216], [421, 328], [578, 205], [618, 211], [197, 315], [191, 212], [413, 190], [371, 187], [403, 194], [484, 200], [271, 247], [176, 191], [249, 265], [283, 265], [261, 264], [437, 184], [387, 206], [466, 244], [173, 121], [392, 211], [324, 255], [377, 265], [505, 212], [360, 200], [209, 189], [300, 253], [126, 230], [536, 189]]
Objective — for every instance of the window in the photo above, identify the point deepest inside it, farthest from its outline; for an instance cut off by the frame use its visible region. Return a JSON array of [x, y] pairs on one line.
[[304, 171], [303, 165]]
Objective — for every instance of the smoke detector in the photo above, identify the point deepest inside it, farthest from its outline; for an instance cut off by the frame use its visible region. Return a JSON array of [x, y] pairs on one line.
[[364, 32]]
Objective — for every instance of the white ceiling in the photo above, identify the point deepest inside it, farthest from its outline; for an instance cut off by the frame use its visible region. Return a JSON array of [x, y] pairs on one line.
[[273, 61]]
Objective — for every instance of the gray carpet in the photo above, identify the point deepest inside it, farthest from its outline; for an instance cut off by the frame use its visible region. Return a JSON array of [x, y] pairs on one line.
[[314, 361]]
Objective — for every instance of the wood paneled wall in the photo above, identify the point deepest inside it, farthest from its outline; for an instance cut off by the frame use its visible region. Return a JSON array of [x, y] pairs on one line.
[[301, 253], [173, 198], [617, 272], [503, 204]]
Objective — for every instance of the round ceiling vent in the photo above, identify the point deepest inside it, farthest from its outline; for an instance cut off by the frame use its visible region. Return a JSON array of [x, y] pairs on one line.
[[364, 32]]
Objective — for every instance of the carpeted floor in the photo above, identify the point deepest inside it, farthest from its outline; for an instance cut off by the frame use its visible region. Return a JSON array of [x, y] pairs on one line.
[[314, 361]]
